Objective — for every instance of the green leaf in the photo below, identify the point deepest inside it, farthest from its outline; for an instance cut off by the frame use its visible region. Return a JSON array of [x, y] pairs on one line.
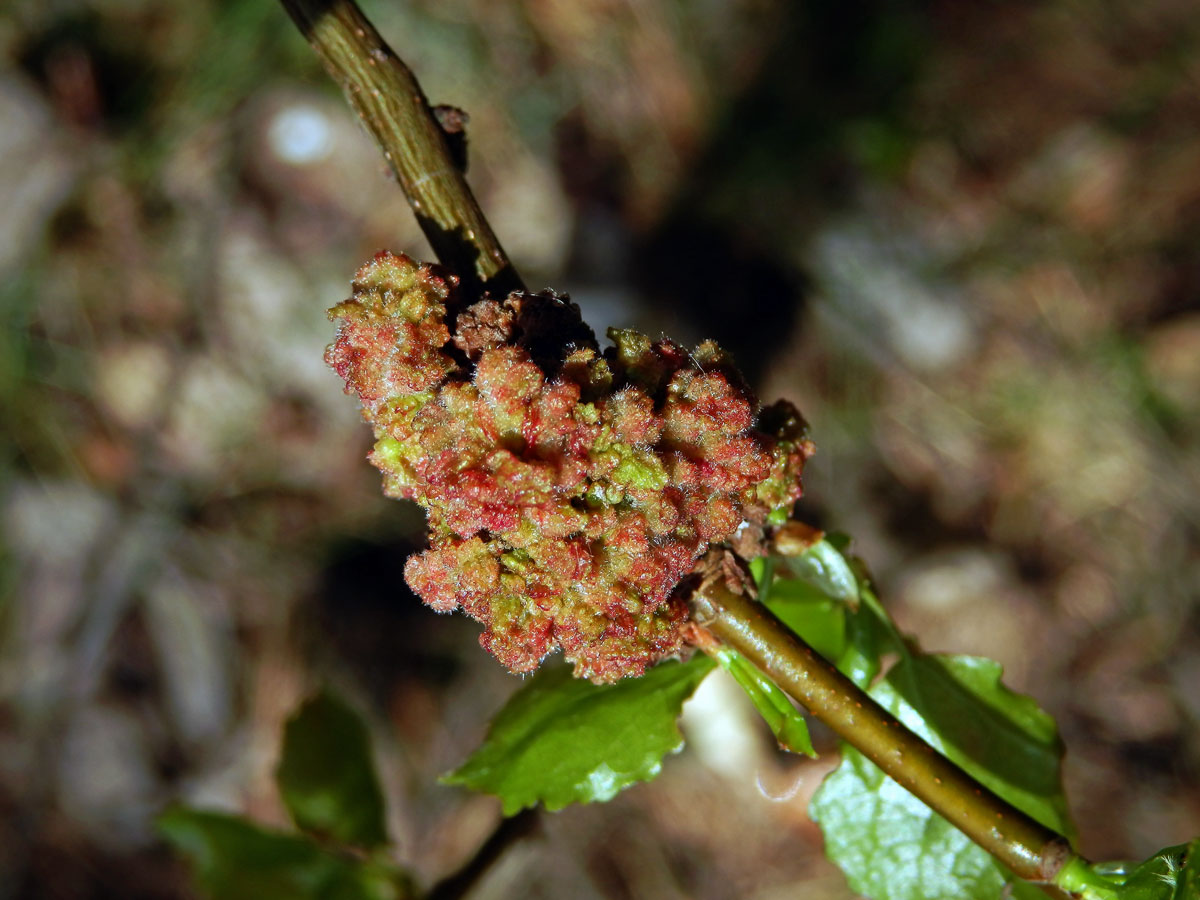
[[762, 569], [1188, 882], [817, 618], [893, 847], [825, 597], [825, 568], [784, 720], [1002, 738], [868, 637], [560, 740], [235, 860], [326, 775], [1171, 874]]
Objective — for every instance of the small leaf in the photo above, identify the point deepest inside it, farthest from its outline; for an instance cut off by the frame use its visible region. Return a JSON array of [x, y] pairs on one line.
[[560, 740], [762, 569], [326, 775], [817, 618], [1171, 874], [893, 847], [824, 567], [235, 860], [784, 720], [825, 597], [868, 637]]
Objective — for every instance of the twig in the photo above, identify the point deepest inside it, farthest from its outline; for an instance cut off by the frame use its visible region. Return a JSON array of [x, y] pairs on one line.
[[507, 833], [390, 103], [1032, 851]]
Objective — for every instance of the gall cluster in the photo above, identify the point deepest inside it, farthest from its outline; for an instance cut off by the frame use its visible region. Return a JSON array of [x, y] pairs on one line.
[[568, 491]]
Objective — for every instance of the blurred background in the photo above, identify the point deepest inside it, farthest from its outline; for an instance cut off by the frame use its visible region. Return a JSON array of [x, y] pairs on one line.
[[963, 237]]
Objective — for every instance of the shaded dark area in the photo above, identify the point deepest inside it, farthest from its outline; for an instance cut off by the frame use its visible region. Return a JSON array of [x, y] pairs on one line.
[[700, 273], [94, 72], [523, 825], [827, 104], [367, 619]]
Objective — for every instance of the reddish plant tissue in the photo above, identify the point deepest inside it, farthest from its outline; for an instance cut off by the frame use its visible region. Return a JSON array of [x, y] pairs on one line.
[[568, 491]]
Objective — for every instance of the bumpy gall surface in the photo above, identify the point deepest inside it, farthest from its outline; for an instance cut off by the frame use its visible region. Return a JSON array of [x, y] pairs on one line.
[[568, 491]]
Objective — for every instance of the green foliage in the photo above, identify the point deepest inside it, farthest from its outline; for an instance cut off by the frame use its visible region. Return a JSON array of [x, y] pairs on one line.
[[1170, 874], [329, 786], [821, 597], [562, 740], [810, 612], [893, 847], [326, 775], [890, 845], [236, 860], [824, 569], [1003, 739], [776, 708]]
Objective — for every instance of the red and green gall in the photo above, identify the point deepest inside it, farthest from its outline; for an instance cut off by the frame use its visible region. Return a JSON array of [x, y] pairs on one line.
[[568, 491]]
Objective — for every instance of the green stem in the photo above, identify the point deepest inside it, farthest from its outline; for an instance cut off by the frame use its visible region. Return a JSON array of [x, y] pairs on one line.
[[1032, 851], [1080, 879], [388, 100]]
